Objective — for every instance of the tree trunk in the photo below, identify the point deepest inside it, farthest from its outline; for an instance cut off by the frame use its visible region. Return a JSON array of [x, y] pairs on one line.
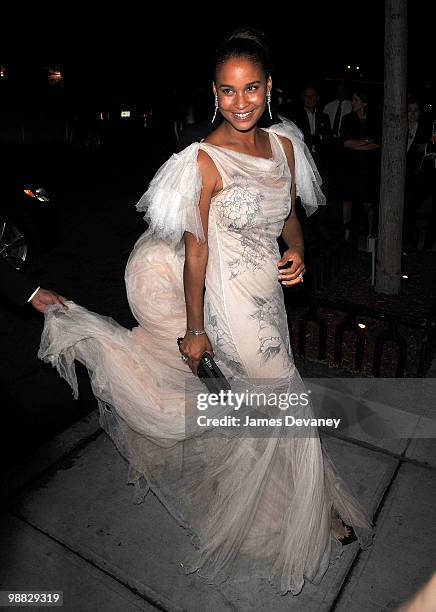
[[393, 158]]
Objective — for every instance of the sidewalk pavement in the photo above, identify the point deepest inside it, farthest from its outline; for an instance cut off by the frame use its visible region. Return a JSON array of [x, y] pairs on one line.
[[69, 524]]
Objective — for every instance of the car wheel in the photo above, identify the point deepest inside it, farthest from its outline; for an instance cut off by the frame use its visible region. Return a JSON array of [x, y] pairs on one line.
[[17, 246]]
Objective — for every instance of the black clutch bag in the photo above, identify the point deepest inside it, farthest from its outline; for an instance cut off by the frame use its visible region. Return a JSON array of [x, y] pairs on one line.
[[210, 374]]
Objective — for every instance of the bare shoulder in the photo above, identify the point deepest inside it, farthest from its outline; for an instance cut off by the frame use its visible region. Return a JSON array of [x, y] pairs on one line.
[[287, 146], [289, 151], [208, 170], [204, 161]]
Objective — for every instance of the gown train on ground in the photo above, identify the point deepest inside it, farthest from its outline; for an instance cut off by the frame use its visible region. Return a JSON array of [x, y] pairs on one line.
[[254, 505]]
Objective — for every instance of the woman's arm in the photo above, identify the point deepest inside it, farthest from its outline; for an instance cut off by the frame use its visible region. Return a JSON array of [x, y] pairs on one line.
[[196, 256], [369, 138], [291, 233], [365, 144]]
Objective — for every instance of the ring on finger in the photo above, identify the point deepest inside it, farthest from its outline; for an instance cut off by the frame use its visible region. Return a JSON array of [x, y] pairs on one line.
[[300, 276], [184, 358]]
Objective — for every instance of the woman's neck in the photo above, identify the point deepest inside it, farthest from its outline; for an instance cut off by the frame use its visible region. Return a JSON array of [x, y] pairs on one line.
[[247, 138]]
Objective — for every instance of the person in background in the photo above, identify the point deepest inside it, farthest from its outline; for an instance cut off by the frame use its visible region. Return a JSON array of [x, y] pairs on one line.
[[430, 235], [419, 172], [197, 123], [315, 125], [336, 109], [21, 290], [283, 101], [360, 170]]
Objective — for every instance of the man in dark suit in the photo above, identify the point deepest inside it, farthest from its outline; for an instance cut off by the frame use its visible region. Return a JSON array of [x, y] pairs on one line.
[[20, 289], [420, 175], [315, 125]]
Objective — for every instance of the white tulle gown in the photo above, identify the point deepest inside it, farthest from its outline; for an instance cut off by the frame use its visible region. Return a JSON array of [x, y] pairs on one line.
[[255, 506]]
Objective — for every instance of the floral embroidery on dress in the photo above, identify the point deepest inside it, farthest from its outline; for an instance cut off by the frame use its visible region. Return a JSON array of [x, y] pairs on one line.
[[255, 251], [236, 212], [223, 345], [240, 206], [273, 332]]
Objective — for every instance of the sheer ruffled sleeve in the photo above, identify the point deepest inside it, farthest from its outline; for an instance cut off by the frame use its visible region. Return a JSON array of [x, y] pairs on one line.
[[171, 200], [307, 178]]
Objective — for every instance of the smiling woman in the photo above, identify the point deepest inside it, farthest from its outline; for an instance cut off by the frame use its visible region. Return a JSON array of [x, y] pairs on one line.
[[244, 99], [241, 103], [209, 269]]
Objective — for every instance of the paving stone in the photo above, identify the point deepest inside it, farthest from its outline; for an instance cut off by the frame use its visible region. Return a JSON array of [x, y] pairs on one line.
[[368, 474], [87, 505], [403, 555], [422, 450], [32, 561], [382, 413], [46, 455]]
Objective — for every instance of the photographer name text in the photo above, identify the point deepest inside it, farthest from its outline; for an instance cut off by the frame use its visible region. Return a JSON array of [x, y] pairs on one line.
[[288, 421]]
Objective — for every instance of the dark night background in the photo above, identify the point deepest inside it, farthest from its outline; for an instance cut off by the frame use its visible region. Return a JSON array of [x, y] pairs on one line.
[[130, 54], [134, 50], [69, 522]]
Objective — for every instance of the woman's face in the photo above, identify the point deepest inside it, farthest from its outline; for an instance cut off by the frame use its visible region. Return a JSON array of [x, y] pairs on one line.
[[241, 87], [413, 113], [357, 104]]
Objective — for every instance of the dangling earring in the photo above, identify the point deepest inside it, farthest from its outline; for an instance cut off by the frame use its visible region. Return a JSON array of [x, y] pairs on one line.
[[268, 101], [216, 108]]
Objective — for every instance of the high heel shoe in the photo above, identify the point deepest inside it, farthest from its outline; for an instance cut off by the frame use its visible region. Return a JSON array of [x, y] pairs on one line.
[[338, 526], [349, 539]]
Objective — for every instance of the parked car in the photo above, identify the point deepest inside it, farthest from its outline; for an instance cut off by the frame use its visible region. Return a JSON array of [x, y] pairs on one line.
[[29, 221]]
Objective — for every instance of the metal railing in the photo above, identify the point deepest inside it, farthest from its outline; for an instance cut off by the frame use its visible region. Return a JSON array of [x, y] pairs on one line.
[[354, 313], [327, 258]]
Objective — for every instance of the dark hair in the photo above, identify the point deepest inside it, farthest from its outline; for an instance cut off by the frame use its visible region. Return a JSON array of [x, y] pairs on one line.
[[364, 94], [310, 85], [245, 42]]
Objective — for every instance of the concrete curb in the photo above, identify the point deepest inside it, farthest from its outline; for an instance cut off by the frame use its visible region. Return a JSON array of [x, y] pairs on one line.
[[25, 471]]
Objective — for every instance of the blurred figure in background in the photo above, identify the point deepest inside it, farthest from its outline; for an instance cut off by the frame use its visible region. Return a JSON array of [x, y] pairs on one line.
[[360, 171], [197, 123], [315, 126], [430, 236], [283, 102], [336, 109], [419, 172]]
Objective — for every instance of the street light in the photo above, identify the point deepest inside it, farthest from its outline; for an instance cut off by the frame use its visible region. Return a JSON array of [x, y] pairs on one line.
[[55, 76]]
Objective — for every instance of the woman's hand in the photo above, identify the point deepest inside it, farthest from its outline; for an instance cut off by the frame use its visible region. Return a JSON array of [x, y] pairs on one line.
[[350, 143], [294, 273], [194, 347], [361, 145]]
